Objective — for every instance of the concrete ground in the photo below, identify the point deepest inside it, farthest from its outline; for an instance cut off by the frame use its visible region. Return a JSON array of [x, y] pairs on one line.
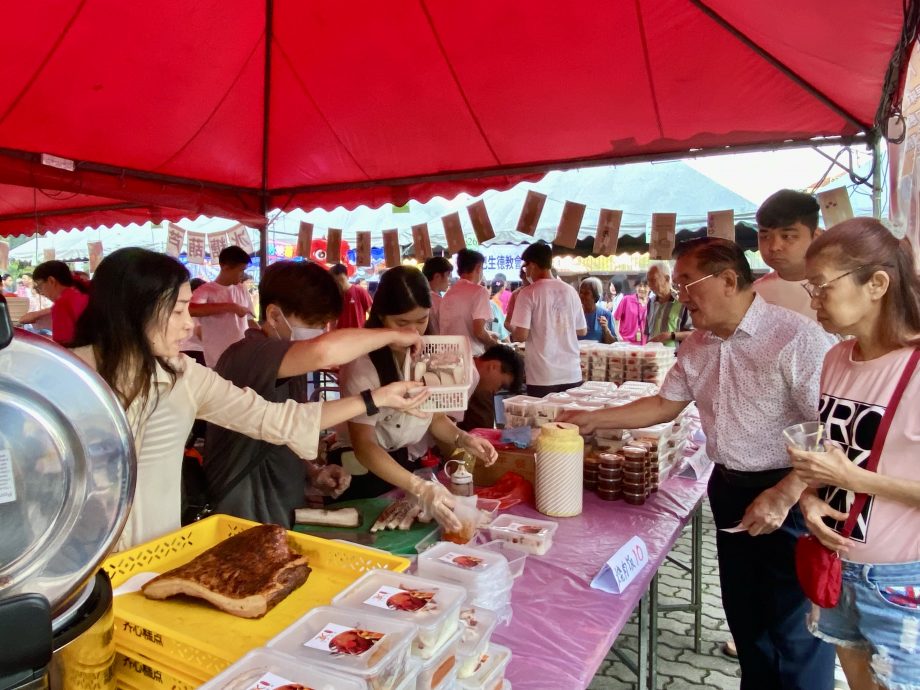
[[679, 668]]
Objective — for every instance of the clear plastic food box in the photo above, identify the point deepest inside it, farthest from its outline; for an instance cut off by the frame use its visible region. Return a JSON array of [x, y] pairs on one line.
[[478, 626], [466, 565], [440, 671], [491, 672], [373, 649], [524, 534], [433, 606], [266, 669]]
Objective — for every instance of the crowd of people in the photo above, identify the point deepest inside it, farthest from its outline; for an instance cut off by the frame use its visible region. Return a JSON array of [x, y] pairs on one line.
[[827, 335]]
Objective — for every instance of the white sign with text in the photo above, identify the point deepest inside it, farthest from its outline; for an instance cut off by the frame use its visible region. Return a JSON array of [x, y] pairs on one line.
[[622, 568]]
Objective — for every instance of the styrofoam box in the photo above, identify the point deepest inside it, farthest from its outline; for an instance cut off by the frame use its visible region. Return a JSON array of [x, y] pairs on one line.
[[490, 674], [317, 638], [466, 565], [440, 670], [478, 626], [524, 534], [248, 671], [397, 595]]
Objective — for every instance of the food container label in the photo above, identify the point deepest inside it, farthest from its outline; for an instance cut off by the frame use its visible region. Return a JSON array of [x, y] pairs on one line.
[[342, 640], [7, 482], [534, 530], [272, 682], [396, 599], [461, 560]]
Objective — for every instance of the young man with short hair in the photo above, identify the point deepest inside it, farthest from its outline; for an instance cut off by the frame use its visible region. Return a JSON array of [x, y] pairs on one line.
[[223, 306], [261, 481], [548, 317], [356, 301], [499, 368], [465, 309], [787, 222], [437, 270]]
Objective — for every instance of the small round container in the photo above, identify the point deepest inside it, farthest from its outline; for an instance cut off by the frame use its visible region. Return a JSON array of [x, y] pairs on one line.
[[634, 452], [633, 488], [590, 473], [590, 485], [609, 495], [609, 484], [610, 460], [634, 477], [608, 473], [634, 499]]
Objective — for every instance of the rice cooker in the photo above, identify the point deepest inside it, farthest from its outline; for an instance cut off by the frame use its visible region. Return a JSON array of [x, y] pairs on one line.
[[67, 476]]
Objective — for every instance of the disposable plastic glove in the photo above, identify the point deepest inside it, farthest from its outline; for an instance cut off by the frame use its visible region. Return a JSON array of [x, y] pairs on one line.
[[437, 503]]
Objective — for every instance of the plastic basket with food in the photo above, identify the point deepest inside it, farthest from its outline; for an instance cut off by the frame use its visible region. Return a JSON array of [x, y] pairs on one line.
[[444, 364]]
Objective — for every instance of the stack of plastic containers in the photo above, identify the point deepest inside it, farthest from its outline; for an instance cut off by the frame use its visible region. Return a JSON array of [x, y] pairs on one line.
[[635, 481], [479, 624], [490, 672], [610, 476], [484, 573], [372, 649], [524, 534], [267, 669]]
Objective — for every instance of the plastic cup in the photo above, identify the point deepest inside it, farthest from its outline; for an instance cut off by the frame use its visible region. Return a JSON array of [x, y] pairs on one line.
[[807, 436]]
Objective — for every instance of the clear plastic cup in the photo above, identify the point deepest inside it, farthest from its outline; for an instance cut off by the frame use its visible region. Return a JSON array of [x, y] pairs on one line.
[[806, 436]]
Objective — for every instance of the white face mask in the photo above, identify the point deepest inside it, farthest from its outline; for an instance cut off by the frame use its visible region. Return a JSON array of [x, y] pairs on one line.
[[301, 332]]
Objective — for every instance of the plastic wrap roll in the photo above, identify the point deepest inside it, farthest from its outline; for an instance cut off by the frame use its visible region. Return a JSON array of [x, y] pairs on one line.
[[559, 468]]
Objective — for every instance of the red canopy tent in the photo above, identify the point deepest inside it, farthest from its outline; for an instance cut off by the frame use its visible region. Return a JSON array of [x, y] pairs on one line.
[[235, 107]]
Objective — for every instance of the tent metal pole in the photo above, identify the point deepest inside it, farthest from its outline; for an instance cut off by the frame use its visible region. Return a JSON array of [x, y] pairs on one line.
[[877, 178], [266, 122]]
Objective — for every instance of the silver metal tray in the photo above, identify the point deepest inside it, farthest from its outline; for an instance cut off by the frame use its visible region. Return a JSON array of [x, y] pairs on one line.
[[67, 470]]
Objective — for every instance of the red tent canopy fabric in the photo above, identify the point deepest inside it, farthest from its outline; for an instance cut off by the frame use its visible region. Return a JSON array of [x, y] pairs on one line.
[[234, 107]]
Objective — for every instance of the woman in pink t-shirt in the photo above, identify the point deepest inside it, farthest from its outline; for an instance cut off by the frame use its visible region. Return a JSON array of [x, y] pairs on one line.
[[863, 284], [631, 314]]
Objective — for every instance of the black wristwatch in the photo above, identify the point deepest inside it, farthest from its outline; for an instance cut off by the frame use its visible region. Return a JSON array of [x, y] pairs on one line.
[[673, 336], [369, 406]]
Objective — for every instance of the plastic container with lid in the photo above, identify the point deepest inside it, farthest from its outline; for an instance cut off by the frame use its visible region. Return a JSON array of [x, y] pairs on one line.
[[440, 670], [373, 649], [413, 668], [491, 671], [520, 405], [433, 606], [524, 534], [475, 568], [266, 669], [478, 626]]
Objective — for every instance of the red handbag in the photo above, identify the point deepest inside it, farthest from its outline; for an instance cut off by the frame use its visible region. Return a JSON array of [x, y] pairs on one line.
[[817, 567]]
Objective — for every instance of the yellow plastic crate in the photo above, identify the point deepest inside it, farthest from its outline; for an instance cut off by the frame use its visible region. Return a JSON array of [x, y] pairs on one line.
[[136, 671], [198, 640]]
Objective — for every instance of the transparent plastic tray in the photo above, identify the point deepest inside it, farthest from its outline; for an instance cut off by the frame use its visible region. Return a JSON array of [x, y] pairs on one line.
[[256, 666]]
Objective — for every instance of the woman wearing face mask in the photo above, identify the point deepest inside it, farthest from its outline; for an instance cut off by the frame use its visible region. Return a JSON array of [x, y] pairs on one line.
[[263, 481], [864, 284], [631, 314], [389, 443], [130, 333]]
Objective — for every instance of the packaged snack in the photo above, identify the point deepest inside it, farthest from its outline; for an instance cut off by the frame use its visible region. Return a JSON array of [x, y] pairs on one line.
[[524, 534], [478, 626], [266, 669], [491, 670], [441, 669]]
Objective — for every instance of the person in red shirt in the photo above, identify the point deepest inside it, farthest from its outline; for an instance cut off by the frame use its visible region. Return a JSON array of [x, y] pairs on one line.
[[356, 301], [69, 295]]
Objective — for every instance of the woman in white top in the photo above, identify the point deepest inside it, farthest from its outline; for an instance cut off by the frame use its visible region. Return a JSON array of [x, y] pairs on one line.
[[390, 442], [130, 334]]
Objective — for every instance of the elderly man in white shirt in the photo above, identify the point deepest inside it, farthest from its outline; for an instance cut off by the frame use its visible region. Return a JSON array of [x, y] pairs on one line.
[[753, 369]]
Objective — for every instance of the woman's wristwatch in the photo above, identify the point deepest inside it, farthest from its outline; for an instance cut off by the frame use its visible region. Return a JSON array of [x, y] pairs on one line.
[[370, 407], [673, 336]]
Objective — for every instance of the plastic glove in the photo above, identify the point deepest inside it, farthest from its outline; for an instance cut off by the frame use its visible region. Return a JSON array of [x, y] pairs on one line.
[[437, 503], [331, 480], [478, 447]]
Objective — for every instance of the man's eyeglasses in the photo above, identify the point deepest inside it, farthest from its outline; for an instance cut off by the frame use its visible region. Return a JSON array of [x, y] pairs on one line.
[[38, 286], [817, 291], [686, 287]]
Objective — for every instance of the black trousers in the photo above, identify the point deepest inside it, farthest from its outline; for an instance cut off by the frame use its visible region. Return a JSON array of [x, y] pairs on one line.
[[764, 604]]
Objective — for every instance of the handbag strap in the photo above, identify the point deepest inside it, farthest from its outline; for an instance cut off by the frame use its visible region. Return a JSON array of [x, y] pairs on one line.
[[879, 442]]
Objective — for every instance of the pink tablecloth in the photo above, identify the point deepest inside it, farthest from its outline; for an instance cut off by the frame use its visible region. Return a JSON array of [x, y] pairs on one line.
[[562, 629]]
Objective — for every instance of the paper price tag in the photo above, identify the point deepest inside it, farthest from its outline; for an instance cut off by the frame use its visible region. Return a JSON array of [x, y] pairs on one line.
[[622, 568], [270, 681]]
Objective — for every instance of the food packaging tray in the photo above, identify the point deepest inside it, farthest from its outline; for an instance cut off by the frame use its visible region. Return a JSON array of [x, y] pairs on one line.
[[197, 639], [246, 672], [141, 673], [524, 534]]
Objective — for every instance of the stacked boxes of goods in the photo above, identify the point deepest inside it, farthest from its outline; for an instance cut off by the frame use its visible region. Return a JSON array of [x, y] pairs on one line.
[[649, 363]]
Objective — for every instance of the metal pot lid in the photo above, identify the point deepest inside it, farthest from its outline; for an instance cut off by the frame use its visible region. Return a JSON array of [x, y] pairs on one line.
[[67, 470]]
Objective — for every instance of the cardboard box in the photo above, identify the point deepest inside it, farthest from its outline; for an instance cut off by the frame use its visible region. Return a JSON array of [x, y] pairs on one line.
[[518, 460]]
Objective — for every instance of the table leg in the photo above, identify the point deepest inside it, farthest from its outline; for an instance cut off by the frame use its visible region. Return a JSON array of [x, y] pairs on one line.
[[652, 634], [645, 651], [696, 577]]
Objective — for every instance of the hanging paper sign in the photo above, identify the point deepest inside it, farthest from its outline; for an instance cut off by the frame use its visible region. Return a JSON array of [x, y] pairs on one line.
[[95, 255], [333, 246], [453, 231], [4, 255], [422, 242], [662, 244], [391, 250], [835, 206], [48, 254], [479, 217], [569, 224], [217, 242], [608, 232], [721, 224], [305, 239], [196, 241], [363, 249], [238, 236], [530, 214], [175, 237]]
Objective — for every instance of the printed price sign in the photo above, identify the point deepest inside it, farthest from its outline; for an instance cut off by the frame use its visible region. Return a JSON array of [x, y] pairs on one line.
[[622, 568]]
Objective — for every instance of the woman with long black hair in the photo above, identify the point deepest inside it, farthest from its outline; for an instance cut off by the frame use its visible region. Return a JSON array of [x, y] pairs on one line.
[[130, 333]]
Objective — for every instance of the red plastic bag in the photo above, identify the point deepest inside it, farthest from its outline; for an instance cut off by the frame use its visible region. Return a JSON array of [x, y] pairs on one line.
[[510, 490]]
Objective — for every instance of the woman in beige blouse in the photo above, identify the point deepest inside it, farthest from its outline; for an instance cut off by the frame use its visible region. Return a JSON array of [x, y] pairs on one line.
[[130, 334]]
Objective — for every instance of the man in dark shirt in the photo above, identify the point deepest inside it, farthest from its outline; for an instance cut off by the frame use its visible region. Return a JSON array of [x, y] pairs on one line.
[[261, 481], [499, 368]]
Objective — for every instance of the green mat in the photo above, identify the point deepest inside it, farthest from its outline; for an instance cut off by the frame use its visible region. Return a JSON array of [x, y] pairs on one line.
[[395, 541]]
